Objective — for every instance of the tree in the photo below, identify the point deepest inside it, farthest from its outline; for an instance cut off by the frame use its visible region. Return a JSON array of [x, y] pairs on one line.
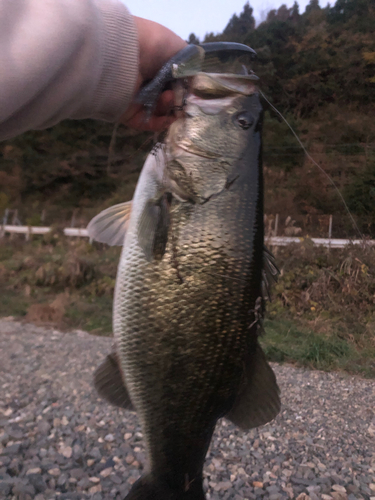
[[294, 12], [313, 5], [239, 26], [193, 39]]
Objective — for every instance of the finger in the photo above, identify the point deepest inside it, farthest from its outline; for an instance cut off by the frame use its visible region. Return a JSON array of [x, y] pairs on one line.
[[165, 103]]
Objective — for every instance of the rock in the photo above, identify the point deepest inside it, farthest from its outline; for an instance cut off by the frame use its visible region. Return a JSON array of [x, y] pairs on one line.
[[56, 422], [95, 453], [95, 489], [339, 488], [275, 496], [97, 496], [223, 486], [77, 473], [15, 434], [40, 497], [353, 497], [54, 472], [66, 451], [273, 489], [38, 482], [109, 438], [77, 451], [13, 449], [111, 462], [94, 479], [5, 488], [352, 488], [106, 472], [21, 489], [84, 483], [36, 470], [4, 438], [43, 427], [63, 478], [337, 495], [52, 483], [259, 492]]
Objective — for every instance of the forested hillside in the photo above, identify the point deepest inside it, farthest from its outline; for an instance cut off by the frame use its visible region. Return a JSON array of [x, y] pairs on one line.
[[316, 67]]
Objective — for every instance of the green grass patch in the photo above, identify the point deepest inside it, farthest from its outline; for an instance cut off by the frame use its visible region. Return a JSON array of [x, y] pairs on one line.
[[12, 304], [285, 341], [93, 315]]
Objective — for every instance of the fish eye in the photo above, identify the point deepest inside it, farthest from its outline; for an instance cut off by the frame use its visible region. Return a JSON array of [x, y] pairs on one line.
[[244, 120]]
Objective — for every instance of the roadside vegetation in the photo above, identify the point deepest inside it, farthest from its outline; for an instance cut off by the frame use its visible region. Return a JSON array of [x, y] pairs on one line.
[[322, 314]]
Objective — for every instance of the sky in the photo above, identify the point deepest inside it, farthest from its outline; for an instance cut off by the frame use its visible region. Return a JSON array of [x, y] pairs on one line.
[[201, 16]]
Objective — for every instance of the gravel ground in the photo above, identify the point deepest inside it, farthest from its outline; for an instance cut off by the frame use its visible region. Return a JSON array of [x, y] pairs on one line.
[[59, 440]]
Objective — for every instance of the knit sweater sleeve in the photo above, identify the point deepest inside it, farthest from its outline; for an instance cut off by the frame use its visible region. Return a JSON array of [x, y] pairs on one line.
[[64, 59]]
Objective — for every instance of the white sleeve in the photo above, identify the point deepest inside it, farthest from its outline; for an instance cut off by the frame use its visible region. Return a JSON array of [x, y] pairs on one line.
[[64, 59]]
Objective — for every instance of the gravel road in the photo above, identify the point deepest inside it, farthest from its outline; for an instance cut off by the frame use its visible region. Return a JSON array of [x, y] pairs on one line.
[[59, 440]]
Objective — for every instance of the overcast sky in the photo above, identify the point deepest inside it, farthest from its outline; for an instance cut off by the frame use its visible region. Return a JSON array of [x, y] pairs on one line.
[[202, 16]]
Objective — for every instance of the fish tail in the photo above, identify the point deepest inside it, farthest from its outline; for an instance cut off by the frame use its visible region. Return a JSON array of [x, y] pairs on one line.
[[149, 487]]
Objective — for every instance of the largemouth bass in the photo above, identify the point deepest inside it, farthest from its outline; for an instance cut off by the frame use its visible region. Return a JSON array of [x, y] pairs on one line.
[[190, 287]]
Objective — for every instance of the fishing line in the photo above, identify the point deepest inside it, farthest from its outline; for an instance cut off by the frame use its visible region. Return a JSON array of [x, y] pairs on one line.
[[317, 165]]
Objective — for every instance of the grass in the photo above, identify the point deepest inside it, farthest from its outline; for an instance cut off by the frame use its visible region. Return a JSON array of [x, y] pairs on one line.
[[322, 314], [71, 276], [93, 315], [285, 341]]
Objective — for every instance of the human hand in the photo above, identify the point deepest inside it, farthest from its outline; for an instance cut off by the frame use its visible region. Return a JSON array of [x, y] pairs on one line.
[[157, 44]]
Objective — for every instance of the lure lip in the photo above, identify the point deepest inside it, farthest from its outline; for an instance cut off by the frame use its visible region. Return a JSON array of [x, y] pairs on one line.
[[228, 47], [193, 54]]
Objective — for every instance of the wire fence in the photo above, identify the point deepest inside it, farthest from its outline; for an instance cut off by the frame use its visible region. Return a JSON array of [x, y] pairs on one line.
[[74, 222]]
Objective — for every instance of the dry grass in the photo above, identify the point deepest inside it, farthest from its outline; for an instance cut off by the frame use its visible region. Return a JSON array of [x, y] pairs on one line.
[[322, 313]]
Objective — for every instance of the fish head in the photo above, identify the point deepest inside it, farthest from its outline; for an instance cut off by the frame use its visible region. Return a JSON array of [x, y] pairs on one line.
[[221, 116]]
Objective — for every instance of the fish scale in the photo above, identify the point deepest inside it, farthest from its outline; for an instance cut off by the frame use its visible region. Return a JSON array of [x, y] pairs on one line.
[[212, 345], [186, 309]]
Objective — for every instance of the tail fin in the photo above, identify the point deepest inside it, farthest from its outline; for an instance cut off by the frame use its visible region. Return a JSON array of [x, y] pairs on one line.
[[149, 487]]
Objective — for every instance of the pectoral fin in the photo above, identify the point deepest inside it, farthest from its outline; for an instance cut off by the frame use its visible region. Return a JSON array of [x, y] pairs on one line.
[[154, 226], [109, 382], [110, 225], [258, 400]]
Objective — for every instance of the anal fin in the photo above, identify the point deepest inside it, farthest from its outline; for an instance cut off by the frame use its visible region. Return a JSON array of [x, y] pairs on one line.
[[109, 382], [257, 401]]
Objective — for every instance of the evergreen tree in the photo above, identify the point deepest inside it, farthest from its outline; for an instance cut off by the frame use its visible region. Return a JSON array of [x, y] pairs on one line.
[[193, 39], [239, 26]]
